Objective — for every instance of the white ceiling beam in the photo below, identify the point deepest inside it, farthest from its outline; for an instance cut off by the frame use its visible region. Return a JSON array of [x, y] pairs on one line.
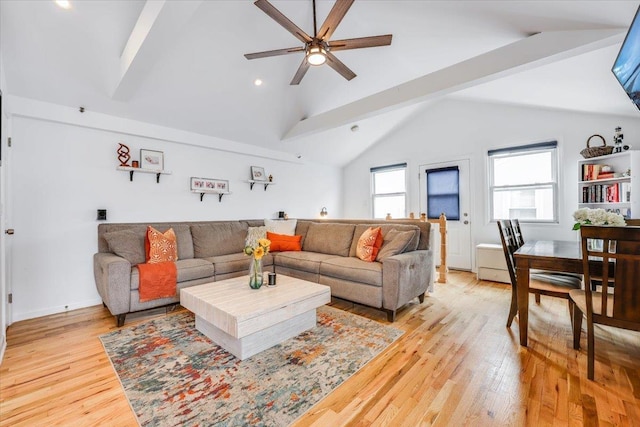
[[159, 23], [534, 51]]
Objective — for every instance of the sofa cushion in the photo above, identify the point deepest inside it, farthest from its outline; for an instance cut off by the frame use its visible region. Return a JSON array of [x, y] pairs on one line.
[[184, 240], [395, 242], [127, 244], [218, 238], [385, 228], [282, 243], [188, 269], [301, 229], [160, 247], [353, 269], [369, 244], [232, 263], [279, 226], [329, 238], [304, 261]]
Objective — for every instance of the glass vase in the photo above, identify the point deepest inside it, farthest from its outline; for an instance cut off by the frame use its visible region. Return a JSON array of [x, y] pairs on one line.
[[255, 274]]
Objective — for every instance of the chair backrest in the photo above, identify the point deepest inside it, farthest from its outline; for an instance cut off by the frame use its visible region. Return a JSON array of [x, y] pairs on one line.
[[618, 247], [509, 246], [515, 224]]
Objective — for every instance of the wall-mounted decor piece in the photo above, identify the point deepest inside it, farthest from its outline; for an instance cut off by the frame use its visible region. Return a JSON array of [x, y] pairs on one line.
[[208, 185], [222, 185], [257, 173], [123, 154], [151, 160]]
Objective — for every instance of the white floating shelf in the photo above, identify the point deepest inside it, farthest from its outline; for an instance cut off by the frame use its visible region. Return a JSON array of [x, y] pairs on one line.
[[202, 193], [131, 170], [265, 183]]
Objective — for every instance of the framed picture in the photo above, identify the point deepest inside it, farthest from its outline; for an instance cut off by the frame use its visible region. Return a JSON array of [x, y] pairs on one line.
[[222, 186], [208, 185], [257, 173], [198, 184], [152, 160]]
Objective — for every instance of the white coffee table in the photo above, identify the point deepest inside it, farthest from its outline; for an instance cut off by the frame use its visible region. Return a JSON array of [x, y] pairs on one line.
[[246, 321]]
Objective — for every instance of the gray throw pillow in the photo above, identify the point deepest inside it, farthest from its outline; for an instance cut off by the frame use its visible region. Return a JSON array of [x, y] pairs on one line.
[[395, 242], [127, 244]]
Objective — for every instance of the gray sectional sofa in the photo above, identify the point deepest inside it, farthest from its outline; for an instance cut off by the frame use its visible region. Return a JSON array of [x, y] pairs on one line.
[[211, 251]]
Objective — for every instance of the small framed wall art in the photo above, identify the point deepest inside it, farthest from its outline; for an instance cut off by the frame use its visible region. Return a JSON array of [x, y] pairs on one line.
[[151, 160], [208, 185], [257, 173]]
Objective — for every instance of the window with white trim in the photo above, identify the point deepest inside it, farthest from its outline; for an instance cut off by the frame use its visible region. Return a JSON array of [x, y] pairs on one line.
[[523, 182], [389, 191]]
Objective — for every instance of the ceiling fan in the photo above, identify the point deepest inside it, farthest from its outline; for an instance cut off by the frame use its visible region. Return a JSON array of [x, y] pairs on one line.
[[318, 48]]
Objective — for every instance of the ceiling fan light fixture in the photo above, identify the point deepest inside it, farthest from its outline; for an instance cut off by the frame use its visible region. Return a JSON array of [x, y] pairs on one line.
[[316, 55]]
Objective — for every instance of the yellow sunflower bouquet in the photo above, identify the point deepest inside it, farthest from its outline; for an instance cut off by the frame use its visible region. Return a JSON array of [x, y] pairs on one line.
[[257, 252]]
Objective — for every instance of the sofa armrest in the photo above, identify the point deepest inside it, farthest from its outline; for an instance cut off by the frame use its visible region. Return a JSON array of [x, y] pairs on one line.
[[113, 281], [406, 276]]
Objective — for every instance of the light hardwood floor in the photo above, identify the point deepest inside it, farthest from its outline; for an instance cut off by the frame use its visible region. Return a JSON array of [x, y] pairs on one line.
[[457, 364]]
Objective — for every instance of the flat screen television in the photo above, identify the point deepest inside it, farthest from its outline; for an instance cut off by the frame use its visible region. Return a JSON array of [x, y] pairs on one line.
[[627, 65]]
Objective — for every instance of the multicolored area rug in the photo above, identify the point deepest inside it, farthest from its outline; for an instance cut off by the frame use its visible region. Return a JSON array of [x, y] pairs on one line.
[[175, 376]]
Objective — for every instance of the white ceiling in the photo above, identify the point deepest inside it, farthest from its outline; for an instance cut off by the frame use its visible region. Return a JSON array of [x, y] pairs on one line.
[[191, 73]]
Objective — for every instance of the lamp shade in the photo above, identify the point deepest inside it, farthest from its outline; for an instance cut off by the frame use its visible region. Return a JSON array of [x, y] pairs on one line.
[[316, 55]]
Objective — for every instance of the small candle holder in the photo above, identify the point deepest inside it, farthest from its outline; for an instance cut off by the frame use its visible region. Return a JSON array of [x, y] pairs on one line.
[[271, 279]]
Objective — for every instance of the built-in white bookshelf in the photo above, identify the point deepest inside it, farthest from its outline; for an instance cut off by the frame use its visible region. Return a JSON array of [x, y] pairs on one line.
[[611, 182]]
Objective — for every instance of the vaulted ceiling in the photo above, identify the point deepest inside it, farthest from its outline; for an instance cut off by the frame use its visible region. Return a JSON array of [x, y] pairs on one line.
[[180, 64]]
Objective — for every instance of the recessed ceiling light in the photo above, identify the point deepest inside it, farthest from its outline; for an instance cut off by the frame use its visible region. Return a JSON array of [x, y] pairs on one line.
[[257, 82], [65, 4]]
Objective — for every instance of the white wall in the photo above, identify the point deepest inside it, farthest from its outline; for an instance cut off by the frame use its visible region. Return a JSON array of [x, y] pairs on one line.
[[455, 129], [61, 173]]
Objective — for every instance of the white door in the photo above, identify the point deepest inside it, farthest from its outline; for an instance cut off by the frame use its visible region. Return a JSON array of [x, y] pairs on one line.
[[450, 194], [4, 305]]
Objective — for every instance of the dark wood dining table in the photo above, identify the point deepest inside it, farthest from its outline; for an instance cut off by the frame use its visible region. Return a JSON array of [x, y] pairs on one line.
[[551, 255]]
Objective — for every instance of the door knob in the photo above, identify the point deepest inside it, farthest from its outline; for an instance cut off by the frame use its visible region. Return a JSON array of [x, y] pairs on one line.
[[466, 222], [9, 231]]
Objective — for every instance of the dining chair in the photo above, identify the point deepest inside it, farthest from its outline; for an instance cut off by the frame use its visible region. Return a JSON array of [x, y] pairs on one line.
[[548, 284], [618, 302], [517, 231]]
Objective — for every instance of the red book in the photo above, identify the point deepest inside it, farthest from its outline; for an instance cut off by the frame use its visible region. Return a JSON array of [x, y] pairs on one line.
[[613, 194], [606, 175]]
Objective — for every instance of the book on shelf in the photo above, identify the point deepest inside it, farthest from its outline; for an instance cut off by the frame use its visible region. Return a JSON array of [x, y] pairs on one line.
[[590, 171], [625, 192], [606, 175], [618, 192], [613, 194]]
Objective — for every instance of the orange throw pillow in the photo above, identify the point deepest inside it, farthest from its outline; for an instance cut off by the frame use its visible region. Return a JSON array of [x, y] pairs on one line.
[[160, 247], [281, 242], [369, 244]]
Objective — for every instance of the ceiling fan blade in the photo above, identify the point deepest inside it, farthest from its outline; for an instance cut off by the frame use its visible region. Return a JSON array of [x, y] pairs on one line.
[[277, 52], [302, 70], [277, 16], [339, 9], [360, 42], [337, 65]]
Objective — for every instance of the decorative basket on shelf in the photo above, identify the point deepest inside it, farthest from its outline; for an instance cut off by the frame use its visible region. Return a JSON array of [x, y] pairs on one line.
[[589, 152]]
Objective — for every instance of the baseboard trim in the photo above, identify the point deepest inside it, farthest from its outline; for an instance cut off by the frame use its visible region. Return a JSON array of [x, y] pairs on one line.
[[54, 310]]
